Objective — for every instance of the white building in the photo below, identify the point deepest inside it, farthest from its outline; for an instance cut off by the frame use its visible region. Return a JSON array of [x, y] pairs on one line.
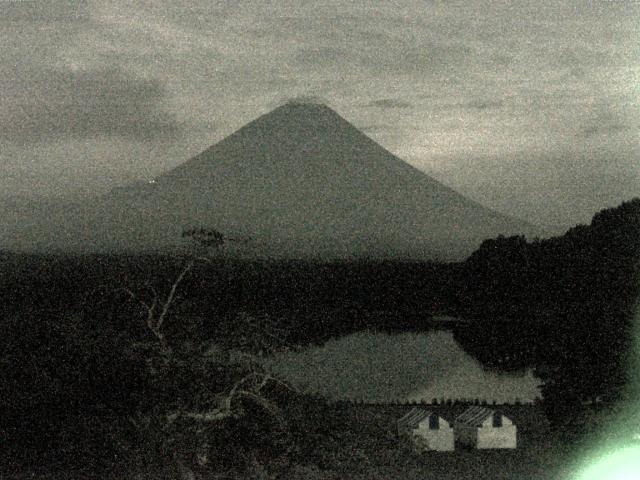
[[425, 431], [480, 427]]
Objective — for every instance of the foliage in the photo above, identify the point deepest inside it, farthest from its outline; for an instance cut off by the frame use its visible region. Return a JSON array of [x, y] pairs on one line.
[[66, 389], [563, 305], [208, 409], [205, 237], [201, 391]]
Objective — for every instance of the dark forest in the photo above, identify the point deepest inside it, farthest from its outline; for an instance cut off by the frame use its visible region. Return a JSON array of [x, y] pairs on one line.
[[563, 306]]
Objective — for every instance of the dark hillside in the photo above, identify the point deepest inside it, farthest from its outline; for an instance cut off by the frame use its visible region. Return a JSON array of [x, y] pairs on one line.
[[564, 305]]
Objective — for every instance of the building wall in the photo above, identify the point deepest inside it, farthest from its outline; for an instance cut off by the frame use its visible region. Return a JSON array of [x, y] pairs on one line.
[[487, 436], [440, 439], [503, 437], [466, 435], [488, 423]]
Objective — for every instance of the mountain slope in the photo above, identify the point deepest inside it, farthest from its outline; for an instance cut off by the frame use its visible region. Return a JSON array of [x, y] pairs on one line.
[[301, 182]]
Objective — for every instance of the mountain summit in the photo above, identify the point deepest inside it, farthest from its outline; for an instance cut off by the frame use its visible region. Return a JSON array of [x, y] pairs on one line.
[[301, 182]]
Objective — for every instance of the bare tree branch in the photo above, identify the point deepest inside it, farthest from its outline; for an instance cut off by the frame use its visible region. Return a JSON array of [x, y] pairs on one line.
[[172, 293], [133, 297], [211, 406]]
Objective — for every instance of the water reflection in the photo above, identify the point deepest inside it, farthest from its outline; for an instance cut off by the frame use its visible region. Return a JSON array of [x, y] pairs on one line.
[[379, 367]]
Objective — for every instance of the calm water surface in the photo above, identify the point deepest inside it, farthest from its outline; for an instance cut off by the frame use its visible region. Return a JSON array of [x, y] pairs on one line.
[[379, 367]]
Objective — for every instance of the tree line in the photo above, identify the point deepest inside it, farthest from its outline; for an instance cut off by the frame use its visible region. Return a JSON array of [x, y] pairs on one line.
[[563, 305]]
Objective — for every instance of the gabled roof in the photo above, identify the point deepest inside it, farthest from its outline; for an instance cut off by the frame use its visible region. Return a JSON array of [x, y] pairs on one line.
[[414, 417], [474, 416]]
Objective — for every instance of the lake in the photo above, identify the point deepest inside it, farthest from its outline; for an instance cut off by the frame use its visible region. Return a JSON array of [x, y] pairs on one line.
[[381, 367]]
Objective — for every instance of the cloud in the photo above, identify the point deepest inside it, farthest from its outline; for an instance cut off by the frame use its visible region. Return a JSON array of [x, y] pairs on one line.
[[482, 104], [384, 44], [433, 58], [323, 57], [103, 102], [605, 129], [607, 121], [305, 98], [416, 58], [502, 59], [197, 13], [390, 103], [308, 99], [38, 11]]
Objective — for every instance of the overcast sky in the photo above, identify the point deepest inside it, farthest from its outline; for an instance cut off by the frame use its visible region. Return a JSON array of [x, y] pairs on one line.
[[530, 107]]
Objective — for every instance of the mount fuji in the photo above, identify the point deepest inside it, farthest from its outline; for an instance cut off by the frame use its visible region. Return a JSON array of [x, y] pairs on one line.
[[300, 182]]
